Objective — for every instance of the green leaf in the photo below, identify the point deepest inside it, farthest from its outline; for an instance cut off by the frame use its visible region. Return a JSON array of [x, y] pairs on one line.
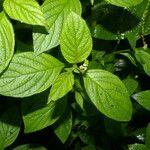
[[130, 57], [133, 36], [108, 94], [86, 137], [79, 99], [55, 12], [6, 41], [89, 147], [98, 55], [62, 85], [64, 128], [144, 59], [37, 116], [29, 74], [75, 41], [141, 11], [143, 98], [95, 65], [28, 11], [124, 3], [113, 23], [102, 33], [131, 85], [92, 2], [29, 147], [9, 127], [137, 147], [147, 138]]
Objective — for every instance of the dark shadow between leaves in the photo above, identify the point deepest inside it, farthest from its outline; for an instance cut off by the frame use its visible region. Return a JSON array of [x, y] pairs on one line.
[[34, 102], [1, 5], [39, 29], [60, 107], [33, 146], [39, 101], [62, 118], [11, 116], [116, 19]]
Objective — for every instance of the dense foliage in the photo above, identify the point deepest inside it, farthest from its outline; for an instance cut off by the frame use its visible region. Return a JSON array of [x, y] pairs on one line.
[[74, 74]]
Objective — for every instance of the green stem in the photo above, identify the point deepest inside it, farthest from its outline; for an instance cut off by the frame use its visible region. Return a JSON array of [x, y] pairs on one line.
[[121, 51]]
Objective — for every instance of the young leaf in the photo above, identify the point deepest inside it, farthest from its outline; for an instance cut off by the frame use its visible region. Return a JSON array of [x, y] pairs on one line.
[[64, 128], [147, 139], [29, 147], [124, 3], [6, 41], [108, 94], [55, 12], [144, 59], [75, 41], [29, 74], [9, 127], [37, 117], [143, 98], [62, 85], [28, 11]]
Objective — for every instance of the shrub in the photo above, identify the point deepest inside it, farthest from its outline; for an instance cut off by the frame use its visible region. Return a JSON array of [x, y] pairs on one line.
[[74, 72]]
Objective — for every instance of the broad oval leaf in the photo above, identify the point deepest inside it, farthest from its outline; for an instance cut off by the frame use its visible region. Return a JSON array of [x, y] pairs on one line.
[[124, 3], [144, 59], [143, 98], [55, 12], [75, 41], [37, 116], [29, 74], [29, 147], [10, 123], [6, 41], [64, 128], [108, 94], [28, 11], [62, 85]]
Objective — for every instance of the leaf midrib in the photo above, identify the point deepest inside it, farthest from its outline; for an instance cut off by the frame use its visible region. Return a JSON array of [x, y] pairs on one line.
[[102, 87], [21, 6], [30, 73], [61, 13]]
